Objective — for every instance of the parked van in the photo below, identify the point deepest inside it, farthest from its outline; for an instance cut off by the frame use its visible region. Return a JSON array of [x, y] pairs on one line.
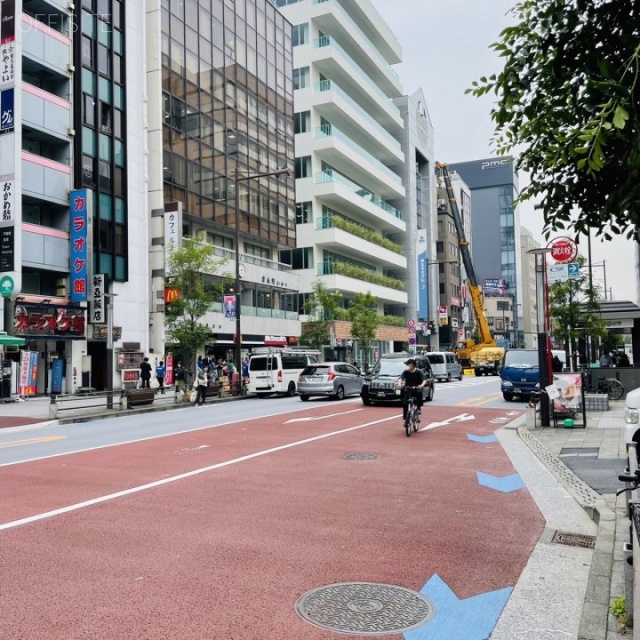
[[445, 365], [277, 370]]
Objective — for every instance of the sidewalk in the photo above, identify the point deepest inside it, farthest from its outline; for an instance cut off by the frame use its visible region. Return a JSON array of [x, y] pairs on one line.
[[574, 584]]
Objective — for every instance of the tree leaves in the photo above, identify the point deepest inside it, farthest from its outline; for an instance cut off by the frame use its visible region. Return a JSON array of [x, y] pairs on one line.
[[568, 101]]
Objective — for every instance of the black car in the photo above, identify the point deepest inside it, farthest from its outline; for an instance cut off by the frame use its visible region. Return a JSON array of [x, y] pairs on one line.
[[380, 383]]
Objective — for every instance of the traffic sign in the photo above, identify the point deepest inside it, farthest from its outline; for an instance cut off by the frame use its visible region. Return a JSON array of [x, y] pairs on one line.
[[573, 270], [563, 249], [412, 340], [7, 286], [411, 323]]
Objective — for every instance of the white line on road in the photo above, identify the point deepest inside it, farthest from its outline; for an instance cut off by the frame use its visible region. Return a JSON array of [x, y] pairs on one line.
[[330, 415], [189, 474]]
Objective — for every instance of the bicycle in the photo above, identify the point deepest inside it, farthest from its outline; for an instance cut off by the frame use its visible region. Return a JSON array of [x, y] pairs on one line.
[[612, 387], [412, 419]]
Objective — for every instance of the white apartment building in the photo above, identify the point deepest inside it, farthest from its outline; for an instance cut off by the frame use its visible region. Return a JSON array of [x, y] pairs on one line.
[[349, 158], [527, 312]]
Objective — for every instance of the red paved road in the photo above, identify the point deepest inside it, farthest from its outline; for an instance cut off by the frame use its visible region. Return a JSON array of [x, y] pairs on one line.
[[17, 421], [225, 554]]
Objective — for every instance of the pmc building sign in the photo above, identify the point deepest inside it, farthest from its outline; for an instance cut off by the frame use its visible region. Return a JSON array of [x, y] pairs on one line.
[[563, 249]]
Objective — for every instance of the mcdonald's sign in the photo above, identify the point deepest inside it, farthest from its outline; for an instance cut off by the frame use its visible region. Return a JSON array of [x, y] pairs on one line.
[[171, 295]]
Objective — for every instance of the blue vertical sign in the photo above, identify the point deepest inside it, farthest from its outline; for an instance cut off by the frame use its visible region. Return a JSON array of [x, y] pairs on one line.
[[79, 246], [57, 369], [423, 276], [7, 116]]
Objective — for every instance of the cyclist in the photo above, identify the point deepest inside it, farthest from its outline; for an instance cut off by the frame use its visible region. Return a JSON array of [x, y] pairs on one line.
[[411, 377]]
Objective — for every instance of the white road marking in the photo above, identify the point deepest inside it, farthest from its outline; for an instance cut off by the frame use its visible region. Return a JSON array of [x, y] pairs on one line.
[[331, 415], [463, 417], [189, 474]]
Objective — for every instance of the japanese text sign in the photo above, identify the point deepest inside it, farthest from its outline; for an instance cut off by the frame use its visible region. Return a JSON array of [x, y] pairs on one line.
[[7, 114], [98, 315], [7, 202], [79, 259]]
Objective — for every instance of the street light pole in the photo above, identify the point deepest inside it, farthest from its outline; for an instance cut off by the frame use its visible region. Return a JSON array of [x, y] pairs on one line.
[[541, 267], [284, 171]]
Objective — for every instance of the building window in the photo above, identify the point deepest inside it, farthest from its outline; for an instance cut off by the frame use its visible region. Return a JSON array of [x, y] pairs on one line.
[[257, 251], [298, 258], [304, 212], [302, 122], [300, 34], [303, 167], [301, 78]]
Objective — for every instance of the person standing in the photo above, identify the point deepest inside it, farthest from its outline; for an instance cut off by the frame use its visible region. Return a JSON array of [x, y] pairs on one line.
[[181, 377], [606, 360], [201, 386], [160, 373], [145, 373]]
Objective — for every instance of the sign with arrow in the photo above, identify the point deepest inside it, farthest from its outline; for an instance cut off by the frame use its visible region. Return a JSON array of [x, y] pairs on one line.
[[463, 417]]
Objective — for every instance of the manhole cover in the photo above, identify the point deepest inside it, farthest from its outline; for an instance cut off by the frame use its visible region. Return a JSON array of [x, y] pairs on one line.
[[574, 540], [361, 456], [366, 609]]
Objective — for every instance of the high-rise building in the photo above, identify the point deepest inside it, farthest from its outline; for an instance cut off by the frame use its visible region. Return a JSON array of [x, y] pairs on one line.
[[72, 169], [220, 87], [527, 310], [495, 223], [349, 161]]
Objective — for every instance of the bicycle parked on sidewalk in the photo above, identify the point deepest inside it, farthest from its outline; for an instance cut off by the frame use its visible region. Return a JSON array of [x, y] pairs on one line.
[[612, 387], [412, 417]]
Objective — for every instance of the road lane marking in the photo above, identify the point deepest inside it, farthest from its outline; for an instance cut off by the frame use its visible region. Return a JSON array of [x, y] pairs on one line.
[[463, 417], [479, 400], [170, 434], [331, 415], [189, 474], [21, 443]]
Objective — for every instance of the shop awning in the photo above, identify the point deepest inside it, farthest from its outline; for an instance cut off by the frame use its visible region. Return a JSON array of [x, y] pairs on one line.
[[11, 341]]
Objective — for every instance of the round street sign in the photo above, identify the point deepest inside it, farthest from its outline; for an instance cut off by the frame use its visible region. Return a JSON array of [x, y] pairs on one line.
[[6, 286], [563, 249], [411, 323]]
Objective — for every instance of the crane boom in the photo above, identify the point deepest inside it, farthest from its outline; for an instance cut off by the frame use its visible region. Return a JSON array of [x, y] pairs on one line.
[[472, 281]]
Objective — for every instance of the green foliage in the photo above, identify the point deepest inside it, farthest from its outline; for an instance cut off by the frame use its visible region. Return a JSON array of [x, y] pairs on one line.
[[364, 321], [366, 234], [322, 307], [359, 273], [392, 321], [611, 342], [618, 610], [574, 309], [567, 101], [190, 270]]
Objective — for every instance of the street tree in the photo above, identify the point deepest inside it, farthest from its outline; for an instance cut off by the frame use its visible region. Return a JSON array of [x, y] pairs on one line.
[[568, 102], [322, 308], [575, 311], [195, 272], [365, 320]]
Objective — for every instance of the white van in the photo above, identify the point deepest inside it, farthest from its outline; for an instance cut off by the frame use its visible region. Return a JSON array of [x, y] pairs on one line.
[[445, 365], [277, 370]]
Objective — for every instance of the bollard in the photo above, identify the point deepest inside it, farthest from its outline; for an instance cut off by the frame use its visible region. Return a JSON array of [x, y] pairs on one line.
[[123, 402], [53, 408]]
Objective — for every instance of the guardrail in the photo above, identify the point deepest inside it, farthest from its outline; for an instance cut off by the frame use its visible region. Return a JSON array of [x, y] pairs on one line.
[[632, 548]]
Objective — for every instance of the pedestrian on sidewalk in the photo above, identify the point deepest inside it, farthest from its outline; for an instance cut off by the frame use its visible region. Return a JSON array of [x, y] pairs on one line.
[[201, 383], [160, 373], [145, 374], [181, 377]]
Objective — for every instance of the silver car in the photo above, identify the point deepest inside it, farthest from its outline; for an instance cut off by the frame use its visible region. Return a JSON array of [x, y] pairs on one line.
[[337, 379]]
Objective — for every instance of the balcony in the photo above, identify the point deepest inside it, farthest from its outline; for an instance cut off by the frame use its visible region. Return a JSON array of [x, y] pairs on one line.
[[348, 238], [45, 248], [343, 277], [45, 112], [342, 152], [343, 193], [47, 7], [44, 48], [331, 17], [45, 179], [335, 104], [332, 60]]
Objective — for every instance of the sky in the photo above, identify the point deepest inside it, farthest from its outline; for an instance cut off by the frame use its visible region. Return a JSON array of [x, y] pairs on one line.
[[445, 46]]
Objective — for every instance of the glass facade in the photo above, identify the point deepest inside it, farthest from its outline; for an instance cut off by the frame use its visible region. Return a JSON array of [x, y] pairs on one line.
[[100, 124], [228, 106], [507, 235]]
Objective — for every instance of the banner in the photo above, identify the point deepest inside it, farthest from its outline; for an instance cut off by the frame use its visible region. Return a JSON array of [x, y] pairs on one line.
[[423, 275], [79, 245], [98, 312], [28, 373], [230, 307], [168, 379], [57, 369]]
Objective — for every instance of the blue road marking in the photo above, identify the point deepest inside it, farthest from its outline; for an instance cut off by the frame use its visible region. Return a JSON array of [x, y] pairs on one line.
[[455, 619], [506, 484], [481, 439]]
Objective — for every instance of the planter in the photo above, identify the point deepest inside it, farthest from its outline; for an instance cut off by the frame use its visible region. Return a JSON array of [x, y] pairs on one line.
[[139, 397]]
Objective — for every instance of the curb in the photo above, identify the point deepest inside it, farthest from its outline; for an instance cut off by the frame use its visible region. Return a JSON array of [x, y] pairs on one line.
[[595, 609]]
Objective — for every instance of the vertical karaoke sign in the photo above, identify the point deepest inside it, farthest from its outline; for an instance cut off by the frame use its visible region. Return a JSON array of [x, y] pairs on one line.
[[423, 276], [80, 245]]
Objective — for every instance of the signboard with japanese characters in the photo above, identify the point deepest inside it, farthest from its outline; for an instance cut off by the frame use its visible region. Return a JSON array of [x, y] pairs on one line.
[[80, 245], [7, 42], [33, 320], [98, 311], [7, 113], [7, 20], [7, 202], [172, 229], [7, 249]]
